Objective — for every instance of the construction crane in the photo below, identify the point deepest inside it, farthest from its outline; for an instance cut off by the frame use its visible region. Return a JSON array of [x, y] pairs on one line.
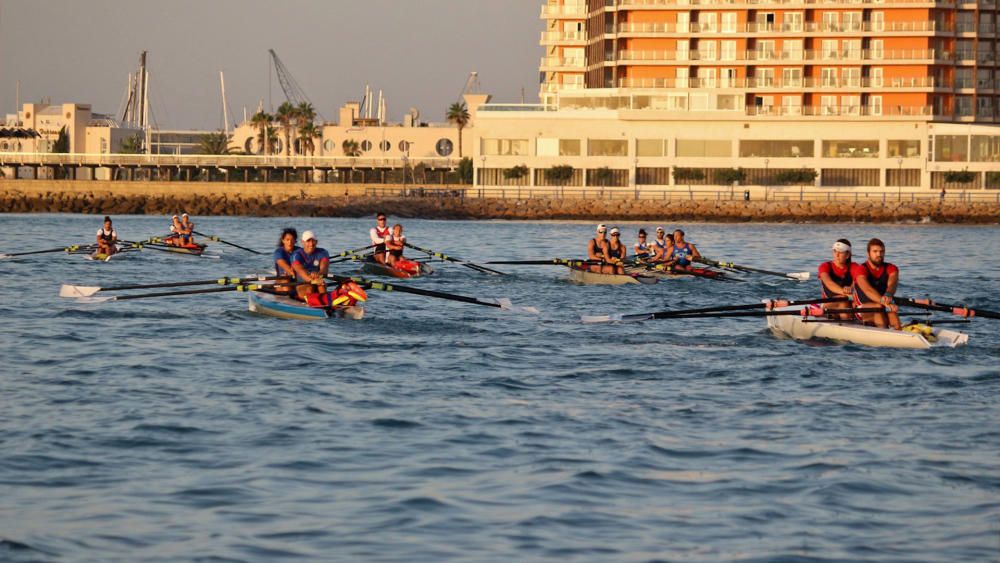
[[471, 86], [293, 92]]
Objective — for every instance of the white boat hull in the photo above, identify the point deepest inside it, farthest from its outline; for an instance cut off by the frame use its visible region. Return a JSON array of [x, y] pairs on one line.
[[585, 277], [797, 328]]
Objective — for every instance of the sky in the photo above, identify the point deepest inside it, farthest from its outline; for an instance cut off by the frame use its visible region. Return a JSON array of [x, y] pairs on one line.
[[419, 52]]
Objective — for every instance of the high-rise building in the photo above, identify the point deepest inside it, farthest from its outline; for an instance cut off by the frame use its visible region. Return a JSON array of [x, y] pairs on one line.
[[931, 60]]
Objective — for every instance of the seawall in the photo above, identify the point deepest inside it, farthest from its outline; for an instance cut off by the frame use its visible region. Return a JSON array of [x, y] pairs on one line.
[[332, 200]]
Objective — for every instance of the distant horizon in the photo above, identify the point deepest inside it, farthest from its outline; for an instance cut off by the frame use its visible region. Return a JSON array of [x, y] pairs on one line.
[[417, 57]]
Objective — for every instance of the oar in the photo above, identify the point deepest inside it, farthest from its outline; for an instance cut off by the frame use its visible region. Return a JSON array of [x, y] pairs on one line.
[[591, 319], [466, 263], [217, 239], [643, 266], [960, 310], [99, 299], [72, 248], [799, 312], [800, 276], [549, 262], [86, 291], [351, 254], [503, 303]]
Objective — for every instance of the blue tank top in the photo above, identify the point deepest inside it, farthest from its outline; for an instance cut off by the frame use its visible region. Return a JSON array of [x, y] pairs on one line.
[[280, 254], [310, 262], [682, 255]]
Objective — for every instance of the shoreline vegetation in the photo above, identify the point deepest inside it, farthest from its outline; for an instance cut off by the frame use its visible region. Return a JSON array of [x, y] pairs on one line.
[[324, 200]]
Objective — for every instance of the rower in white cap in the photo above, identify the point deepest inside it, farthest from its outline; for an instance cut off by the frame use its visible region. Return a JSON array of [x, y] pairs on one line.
[[836, 278], [597, 249], [311, 265], [615, 252]]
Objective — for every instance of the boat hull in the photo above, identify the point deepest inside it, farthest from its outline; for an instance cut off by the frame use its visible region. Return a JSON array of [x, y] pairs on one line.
[[271, 305], [797, 328], [376, 269], [584, 277]]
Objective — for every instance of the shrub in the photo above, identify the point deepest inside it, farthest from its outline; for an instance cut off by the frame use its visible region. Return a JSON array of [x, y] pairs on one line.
[[727, 176], [798, 176], [559, 174], [515, 173], [682, 175], [465, 170], [959, 177]]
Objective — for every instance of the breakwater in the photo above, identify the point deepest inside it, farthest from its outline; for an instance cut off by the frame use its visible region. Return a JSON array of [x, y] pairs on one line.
[[317, 200]]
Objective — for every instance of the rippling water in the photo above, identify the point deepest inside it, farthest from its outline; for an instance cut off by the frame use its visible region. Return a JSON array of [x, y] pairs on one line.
[[187, 428]]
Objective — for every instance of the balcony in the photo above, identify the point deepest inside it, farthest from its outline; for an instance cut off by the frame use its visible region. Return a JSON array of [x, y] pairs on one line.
[[838, 110], [656, 28], [563, 12], [560, 37], [767, 83], [684, 4], [555, 63]]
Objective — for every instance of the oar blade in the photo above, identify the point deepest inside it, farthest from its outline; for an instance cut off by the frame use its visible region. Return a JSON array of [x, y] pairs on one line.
[[599, 319], [74, 291], [801, 276], [96, 299], [6, 256], [508, 305]]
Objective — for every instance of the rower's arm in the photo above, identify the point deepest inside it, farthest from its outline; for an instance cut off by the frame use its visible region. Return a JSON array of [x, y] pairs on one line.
[[300, 271], [893, 283], [694, 251], [324, 267], [592, 251], [284, 268], [862, 284], [833, 287]]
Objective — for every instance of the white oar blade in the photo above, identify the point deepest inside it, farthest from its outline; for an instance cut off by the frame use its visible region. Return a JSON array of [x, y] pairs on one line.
[[5, 256], [507, 305], [598, 319], [801, 276], [77, 291], [95, 300]]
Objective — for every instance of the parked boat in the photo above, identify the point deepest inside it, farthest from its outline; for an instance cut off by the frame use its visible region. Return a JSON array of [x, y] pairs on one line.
[[586, 277], [272, 305], [854, 333]]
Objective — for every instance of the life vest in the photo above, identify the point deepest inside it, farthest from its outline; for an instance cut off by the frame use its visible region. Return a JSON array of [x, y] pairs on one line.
[[347, 294], [845, 280]]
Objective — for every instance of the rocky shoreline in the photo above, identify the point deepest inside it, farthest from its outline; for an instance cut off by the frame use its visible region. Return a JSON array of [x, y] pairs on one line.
[[292, 201]]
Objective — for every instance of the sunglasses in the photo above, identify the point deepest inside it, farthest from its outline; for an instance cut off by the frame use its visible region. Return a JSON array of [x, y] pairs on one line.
[[614, 234], [381, 218]]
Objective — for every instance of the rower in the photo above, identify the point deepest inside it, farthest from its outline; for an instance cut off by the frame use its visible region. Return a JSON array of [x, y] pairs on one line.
[[660, 244], [875, 283], [835, 278], [394, 244], [310, 264], [175, 230], [615, 253], [106, 238], [596, 249], [379, 233], [283, 258], [683, 251], [643, 250], [186, 231]]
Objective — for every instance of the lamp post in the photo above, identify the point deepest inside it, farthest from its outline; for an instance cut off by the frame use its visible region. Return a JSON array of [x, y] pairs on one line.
[[899, 179], [405, 158]]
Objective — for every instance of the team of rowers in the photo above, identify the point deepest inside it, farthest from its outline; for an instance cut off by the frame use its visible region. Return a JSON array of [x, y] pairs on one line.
[[669, 252], [869, 284], [181, 234]]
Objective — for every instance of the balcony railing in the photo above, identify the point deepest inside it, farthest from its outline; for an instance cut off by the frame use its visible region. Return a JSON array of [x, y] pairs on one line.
[[838, 110], [632, 4], [922, 55], [563, 62], [563, 36], [755, 27], [564, 11], [777, 83]]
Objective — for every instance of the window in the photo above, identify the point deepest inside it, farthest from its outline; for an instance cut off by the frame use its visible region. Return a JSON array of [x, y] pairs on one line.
[[404, 146], [985, 148], [851, 77], [505, 147], [831, 21], [650, 147], [877, 77], [327, 145], [791, 105], [829, 49], [951, 148], [385, 146], [765, 77], [707, 21], [366, 145], [875, 105], [903, 148], [777, 149], [851, 21], [850, 149], [682, 77], [878, 21], [877, 48], [727, 78], [765, 21], [728, 51], [683, 47], [765, 50], [569, 147], [793, 21], [704, 148], [791, 49], [828, 77], [729, 22], [791, 77], [828, 105], [443, 147], [546, 147], [706, 50], [607, 147], [706, 77]]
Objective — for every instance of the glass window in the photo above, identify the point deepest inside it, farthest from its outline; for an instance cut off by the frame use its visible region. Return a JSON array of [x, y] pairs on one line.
[[505, 147], [607, 147], [366, 145], [547, 147], [905, 149], [327, 145], [384, 146], [703, 147], [951, 148], [985, 148], [779, 149], [650, 147], [569, 147], [850, 149], [444, 147]]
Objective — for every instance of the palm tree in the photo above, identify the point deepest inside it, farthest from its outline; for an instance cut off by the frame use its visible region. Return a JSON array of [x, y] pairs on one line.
[[351, 148], [459, 115], [214, 143], [307, 133], [287, 114], [131, 145], [262, 121], [306, 112]]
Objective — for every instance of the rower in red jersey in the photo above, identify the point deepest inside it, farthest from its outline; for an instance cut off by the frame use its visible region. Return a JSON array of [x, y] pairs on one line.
[[875, 283], [836, 279]]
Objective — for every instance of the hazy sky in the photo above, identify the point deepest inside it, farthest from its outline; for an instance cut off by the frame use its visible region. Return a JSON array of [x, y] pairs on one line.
[[419, 52]]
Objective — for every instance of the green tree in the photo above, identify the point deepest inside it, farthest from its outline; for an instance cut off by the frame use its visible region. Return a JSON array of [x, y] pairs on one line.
[[799, 176], [308, 133], [727, 176], [62, 141], [559, 174], [214, 143], [262, 121], [351, 148], [286, 117], [458, 115], [465, 170], [959, 177], [603, 176], [516, 172], [131, 145], [688, 175]]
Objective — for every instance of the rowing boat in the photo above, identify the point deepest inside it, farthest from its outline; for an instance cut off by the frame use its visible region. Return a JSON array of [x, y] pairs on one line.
[[586, 277], [800, 329], [105, 257], [412, 269], [272, 305], [670, 274]]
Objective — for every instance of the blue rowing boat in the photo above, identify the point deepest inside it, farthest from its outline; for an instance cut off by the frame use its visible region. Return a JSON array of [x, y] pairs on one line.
[[283, 307]]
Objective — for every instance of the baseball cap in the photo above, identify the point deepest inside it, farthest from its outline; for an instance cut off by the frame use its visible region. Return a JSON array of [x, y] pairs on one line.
[[614, 230], [601, 228], [308, 235]]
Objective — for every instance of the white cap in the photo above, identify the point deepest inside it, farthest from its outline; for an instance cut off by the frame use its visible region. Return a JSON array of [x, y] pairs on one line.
[[174, 217], [601, 227], [184, 214], [308, 235], [614, 230], [841, 247], [660, 230]]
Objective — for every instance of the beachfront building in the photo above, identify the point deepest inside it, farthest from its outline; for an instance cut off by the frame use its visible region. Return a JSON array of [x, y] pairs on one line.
[[660, 93]]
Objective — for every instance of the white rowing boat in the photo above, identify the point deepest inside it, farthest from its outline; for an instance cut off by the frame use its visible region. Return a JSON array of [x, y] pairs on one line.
[[800, 328], [272, 305], [585, 277]]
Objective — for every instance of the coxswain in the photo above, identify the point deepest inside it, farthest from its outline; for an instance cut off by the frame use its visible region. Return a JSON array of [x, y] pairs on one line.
[[186, 232], [643, 250], [310, 264], [683, 252], [395, 244], [615, 253], [106, 238], [597, 250], [283, 258], [379, 233], [836, 279], [875, 283]]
